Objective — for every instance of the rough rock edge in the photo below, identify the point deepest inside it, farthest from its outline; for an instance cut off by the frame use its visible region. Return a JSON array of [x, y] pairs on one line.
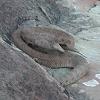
[[22, 78]]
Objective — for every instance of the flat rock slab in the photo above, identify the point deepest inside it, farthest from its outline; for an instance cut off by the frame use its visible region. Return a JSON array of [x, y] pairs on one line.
[[23, 79], [89, 46]]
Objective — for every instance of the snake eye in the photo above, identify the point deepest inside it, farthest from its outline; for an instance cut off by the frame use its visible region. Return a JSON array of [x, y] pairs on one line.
[[64, 46]]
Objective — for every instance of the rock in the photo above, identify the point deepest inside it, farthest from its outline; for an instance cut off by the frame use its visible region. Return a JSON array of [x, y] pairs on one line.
[[84, 5], [22, 78], [74, 21], [13, 13], [95, 15], [84, 41], [74, 92]]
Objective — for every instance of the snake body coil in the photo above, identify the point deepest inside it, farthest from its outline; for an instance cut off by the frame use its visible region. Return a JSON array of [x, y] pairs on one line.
[[55, 60]]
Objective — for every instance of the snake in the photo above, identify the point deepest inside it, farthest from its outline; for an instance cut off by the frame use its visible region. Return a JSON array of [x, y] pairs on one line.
[[52, 59]]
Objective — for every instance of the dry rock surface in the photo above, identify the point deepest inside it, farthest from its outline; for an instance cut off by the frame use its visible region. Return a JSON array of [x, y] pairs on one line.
[[20, 77]]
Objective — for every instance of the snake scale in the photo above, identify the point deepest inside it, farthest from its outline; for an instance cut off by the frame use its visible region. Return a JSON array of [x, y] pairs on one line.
[[23, 39]]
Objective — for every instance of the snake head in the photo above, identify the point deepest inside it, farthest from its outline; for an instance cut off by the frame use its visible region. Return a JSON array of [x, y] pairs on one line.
[[66, 42], [57, 46]]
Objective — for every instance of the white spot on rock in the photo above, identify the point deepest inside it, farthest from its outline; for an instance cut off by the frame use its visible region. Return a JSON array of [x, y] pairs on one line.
[[91, 83], [97, 76], [81, 91]]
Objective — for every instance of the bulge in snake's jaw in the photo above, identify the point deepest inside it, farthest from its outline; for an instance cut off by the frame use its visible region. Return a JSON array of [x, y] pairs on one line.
[[66, 42], [58, 47]]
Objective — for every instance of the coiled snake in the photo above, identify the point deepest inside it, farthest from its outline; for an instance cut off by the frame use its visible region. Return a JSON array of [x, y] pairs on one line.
[[31, 41]]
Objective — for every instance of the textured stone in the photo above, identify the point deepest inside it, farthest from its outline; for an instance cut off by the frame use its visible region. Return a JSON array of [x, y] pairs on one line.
[[13, 13], [22, 78]]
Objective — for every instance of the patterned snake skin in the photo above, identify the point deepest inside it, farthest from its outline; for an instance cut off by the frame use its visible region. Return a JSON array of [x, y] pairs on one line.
[[52, 59]]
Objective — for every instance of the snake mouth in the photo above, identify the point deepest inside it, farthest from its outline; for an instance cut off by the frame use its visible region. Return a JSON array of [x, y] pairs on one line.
[[64, 46]]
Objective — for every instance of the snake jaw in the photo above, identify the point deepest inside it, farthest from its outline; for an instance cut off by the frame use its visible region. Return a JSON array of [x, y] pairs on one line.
[[66, 43], [58, 47]]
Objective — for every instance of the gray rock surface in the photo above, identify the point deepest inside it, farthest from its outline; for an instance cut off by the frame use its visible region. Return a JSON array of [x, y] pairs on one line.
[[13, 13], [23, 79], [20, 77], [75, 22]]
